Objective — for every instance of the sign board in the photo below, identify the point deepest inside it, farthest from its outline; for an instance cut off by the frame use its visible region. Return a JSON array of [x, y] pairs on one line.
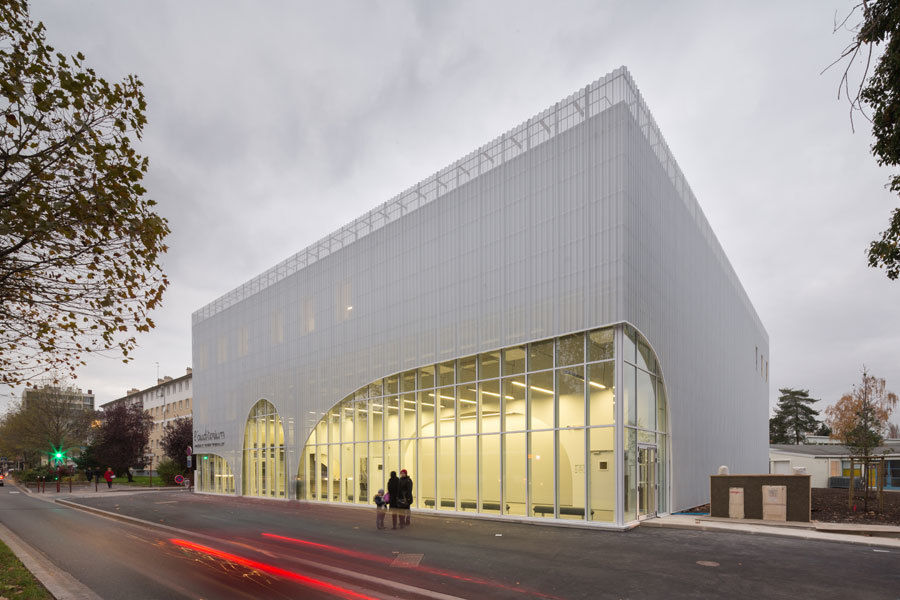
[[179, 479], [774, 499], [736, 503], [189, 461]]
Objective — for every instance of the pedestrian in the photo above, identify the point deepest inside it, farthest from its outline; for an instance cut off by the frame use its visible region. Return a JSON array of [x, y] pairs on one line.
[[406, 497], [109, 476], [380, 508], [89, 473], [393, 486]]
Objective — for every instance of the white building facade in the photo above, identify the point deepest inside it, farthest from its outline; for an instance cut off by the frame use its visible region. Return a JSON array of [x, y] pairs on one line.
[[547, 329]]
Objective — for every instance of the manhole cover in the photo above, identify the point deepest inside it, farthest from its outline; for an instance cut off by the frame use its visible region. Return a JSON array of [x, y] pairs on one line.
[[707, 563], [407, 560]]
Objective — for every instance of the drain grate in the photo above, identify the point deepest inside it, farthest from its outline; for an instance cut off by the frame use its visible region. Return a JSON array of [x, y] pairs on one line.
[[407, 560]]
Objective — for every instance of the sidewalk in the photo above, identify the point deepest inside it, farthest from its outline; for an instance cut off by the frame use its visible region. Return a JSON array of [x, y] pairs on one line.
[[884, 536]]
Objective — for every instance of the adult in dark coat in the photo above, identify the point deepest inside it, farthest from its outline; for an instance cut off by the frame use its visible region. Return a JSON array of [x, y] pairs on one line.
[[406, 497], [393, 488]]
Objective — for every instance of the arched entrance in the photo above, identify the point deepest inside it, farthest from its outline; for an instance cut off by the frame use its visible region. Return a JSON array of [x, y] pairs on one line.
[[264, 468]]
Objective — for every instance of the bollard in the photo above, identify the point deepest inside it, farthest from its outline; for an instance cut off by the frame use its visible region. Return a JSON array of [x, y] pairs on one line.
[[57, 485], [43, 484], [70, 485]]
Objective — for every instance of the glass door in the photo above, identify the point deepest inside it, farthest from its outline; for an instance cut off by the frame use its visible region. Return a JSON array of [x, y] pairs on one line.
[[647, 481]]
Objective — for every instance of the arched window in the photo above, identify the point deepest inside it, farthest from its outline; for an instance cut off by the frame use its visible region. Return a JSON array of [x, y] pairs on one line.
[[264, 468], [526, 431], [214, 474]]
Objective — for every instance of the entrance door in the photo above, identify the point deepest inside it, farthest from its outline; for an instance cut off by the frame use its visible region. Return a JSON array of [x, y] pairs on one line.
[[647, 481]]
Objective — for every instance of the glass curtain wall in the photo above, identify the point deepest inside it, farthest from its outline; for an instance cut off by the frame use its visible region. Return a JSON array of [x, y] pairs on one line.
[[526, 431], [264, 468], [214, 474]]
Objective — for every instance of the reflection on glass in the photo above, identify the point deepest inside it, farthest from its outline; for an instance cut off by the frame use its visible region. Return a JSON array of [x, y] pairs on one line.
[[646, 400], [391, 384], [540, 355], [571, 474], [630, 475], [629, 399], [361, 409], [661, 421], [601, 344], [377, 476], [514, 360], [426, 414], [490, 406], [391, 459], [490, 473], [570, 394], [426, 377], [540, 393], [629, 344], [468, 472], [570, 350], [446, 473], [423, 495], [602, 473], [392, 417], [447, 397], [467, 409], [408, 381], [489, 365], [361, 473], [540, 458], [348, 482], [446, 373], [408, 422], [376, 419], [515, 479], [663, 473], [466, 369], [601, 406], [514, 403], [645, 358]]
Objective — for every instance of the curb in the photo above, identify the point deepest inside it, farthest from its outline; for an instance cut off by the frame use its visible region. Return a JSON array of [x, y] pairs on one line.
[[796, 533]]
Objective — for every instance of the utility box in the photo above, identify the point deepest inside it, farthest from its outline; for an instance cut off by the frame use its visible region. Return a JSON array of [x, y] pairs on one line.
[[771, 497], [736, 503], [774, 502]]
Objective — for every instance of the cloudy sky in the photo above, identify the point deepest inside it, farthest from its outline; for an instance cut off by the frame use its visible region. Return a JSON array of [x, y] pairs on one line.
[[274, 123]]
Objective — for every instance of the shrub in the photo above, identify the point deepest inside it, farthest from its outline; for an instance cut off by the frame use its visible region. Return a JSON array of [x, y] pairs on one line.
[[167, 470]]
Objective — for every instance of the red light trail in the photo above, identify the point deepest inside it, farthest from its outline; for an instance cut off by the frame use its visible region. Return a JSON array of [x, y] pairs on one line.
[[383, 559], [272, 570]]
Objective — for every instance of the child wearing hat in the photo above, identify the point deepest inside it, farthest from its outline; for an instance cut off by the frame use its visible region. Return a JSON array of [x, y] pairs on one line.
[[381, 502]]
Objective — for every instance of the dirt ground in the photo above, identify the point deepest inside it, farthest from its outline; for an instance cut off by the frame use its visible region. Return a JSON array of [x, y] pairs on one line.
[[831, 506]]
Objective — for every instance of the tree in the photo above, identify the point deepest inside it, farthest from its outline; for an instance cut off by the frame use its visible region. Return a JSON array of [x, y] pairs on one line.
[[794, 418], [46, 422], [879, 90], [79, 239], [859, 418], [177, 436], [123, 438]]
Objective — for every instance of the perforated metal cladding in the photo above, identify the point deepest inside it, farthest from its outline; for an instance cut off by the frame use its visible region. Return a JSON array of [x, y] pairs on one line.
[[585, 225]]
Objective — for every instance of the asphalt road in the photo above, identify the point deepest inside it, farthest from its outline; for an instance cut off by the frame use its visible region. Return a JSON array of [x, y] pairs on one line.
[[462, 558]]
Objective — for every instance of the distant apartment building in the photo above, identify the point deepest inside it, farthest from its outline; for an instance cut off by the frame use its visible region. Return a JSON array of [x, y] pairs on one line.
[[69, 395], [166, 401]]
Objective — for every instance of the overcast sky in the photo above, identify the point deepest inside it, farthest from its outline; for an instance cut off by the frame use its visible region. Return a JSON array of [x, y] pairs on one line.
[[272, 124]]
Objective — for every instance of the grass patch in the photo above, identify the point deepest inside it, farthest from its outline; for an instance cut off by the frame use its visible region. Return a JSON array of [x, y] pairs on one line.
[[139, 481], [17, 582]]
